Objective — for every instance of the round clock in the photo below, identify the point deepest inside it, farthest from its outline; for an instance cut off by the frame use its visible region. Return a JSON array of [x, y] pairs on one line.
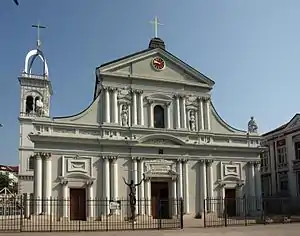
[[158, 63]]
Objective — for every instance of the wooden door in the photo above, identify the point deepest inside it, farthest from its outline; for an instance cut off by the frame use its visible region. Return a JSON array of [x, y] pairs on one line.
[[230, 201], [160, 199], [78, 204]]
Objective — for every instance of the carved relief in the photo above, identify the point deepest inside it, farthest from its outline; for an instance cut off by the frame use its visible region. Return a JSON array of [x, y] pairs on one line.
[[192, 120], [231, 170], [64, 130], [124, 115], [160, 142], [160, 167]]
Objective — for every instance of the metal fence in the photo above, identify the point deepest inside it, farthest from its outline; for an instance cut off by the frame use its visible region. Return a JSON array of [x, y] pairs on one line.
[[40, 215], [247, 211]]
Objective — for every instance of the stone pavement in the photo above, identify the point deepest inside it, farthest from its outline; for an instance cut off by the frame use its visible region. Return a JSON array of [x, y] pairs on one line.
[[257, 230]]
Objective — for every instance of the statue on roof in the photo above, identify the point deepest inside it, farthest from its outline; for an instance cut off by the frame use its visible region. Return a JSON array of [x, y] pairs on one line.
[[252, 126]]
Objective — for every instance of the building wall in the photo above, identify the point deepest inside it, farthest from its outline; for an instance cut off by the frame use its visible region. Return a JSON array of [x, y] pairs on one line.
[[282, 167]]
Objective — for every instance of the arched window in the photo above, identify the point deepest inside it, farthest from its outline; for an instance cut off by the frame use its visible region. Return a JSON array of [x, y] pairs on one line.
[[31, 163], [159, 117], [29, 104], [35, 106]]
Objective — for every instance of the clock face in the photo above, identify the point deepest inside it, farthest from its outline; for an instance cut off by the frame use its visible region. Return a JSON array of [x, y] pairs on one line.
[[158, 63]]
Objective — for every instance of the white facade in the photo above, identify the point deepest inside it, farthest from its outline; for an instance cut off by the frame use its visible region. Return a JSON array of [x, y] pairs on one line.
[[280, 164], [158, 121]]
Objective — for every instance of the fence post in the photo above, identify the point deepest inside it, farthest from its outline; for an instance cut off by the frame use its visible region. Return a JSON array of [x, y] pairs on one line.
[[244, 199], [225, 211], [106, 212], [50, 199], [21, 211], [159, 215], [181, 213], [204, 214]]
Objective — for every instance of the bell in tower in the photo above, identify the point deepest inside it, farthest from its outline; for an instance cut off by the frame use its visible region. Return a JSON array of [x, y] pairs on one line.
[[36, 88]]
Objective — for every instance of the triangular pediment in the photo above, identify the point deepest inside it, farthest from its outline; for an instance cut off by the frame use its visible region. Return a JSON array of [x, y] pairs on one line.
[[140, 65]]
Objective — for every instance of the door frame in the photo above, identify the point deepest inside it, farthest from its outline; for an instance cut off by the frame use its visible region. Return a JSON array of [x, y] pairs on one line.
[[84, 213]]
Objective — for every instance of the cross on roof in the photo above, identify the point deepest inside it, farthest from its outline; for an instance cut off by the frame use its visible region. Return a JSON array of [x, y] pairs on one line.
[[38, 26], [156, 24]]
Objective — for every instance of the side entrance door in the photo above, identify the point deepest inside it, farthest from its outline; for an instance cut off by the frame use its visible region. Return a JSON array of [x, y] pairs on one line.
[[77, 204]]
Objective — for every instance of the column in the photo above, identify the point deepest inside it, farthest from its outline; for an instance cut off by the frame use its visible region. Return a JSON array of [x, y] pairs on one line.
[[115, 106], [183, 113], [203, 188], [135, 180], [201, 115], [272, 158], [211, 202], [257, 180], [257, 185], [48, 182], [186, 187], [116, 178], [106, 184], [64, 185], [174, 193], [142, 188], [107, 105], [251, 192], [141, 109], [168, 115], [38, 181], [177, 114], [91, 205], [292, 178], [148, 196], [151, 118], [208, 112], [179, 179], [134, 108]]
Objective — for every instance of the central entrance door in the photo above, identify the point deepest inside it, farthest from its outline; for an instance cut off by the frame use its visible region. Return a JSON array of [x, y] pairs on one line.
[[160, 200], [77, 204], [230, 200]]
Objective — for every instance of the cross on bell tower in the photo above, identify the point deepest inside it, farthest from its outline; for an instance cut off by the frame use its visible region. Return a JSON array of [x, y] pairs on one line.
[[38, 26]]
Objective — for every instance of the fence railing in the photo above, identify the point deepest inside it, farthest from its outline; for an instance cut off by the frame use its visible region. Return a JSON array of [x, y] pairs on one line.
[[54, 214], [251, 210]]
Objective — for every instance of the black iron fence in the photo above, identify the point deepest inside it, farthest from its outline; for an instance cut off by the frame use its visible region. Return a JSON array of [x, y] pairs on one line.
[[247, 211], [49, 215]]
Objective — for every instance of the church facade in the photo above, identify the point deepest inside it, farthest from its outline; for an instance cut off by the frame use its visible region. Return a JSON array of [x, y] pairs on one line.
[[151, 121]]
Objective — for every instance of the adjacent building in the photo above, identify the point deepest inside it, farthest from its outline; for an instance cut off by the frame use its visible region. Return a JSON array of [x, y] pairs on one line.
[[280, 163], [152, 115]]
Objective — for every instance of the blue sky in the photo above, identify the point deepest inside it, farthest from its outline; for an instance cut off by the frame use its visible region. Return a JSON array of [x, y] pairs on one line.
[[251, 49]]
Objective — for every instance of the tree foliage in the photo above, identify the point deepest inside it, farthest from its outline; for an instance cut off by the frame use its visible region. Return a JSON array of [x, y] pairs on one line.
[[6, 182]]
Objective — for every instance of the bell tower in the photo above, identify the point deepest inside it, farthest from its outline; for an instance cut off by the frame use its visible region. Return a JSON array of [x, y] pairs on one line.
[[36, 89], [35, 97]]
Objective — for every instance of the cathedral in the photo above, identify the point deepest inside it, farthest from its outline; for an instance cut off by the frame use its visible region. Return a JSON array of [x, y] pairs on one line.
[[152, 122]]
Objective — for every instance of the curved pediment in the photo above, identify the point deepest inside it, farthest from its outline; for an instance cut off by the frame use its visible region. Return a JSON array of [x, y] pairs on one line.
[[159, 97], [161, 139]]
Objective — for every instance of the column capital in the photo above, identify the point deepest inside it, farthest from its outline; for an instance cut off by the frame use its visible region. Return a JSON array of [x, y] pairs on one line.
[[209, 162], [107, 88], [167, 103], [140, 158], [183, 96], [89, 182], [150, 101], [176, 95], [202, 161], [43, 155], [179, 160], [64, 182], [139, 91], [136, 158]]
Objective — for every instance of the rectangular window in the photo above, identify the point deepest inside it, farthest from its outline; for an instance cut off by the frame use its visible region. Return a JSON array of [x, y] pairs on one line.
[[264, 157], [283, 183], [281, 154], [297, 150], [298, 182]]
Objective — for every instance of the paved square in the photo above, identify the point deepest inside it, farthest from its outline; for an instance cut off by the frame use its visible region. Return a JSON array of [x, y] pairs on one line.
[[261, 230]]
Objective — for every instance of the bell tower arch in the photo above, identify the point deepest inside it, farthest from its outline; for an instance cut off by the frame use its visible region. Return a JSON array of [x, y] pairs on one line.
[[36, 89]]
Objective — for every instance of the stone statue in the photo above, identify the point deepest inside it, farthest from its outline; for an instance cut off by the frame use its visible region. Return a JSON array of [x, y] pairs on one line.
[[124, 115], [192, 121], [252, 126], [132, 195], [39, 106]]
